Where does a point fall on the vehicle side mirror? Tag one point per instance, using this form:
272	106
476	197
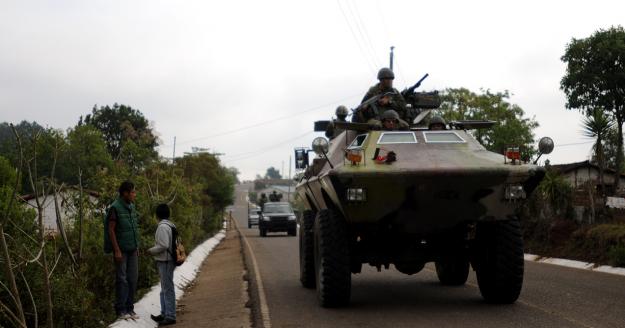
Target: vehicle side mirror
320	145
301	158
545	145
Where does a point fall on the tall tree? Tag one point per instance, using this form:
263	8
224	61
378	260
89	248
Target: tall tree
595	78
273	173
124	128
512	127
597	125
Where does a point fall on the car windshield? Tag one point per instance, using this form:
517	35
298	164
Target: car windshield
442	137
277	208
254	211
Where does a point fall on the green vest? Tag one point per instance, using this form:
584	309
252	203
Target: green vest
126	229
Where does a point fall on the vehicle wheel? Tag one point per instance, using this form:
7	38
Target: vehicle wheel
332	265
453	270
499	261
263	232
249	225
292	232
306	251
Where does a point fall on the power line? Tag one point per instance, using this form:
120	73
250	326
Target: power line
363	30
255	153
280	118
372	68
574	144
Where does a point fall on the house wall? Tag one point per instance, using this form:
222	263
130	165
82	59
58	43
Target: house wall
582	175
49	212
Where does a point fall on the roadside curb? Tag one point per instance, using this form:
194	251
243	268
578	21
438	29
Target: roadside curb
183	276
575	264
254	279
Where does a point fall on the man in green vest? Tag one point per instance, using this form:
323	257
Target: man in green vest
123	240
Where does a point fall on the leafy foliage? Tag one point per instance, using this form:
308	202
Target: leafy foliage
198	188
127	133
273	173
512	127
595	76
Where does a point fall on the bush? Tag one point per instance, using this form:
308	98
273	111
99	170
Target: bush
616	255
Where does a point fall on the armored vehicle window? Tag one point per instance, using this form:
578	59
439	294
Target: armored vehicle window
397	138
442	137
359	141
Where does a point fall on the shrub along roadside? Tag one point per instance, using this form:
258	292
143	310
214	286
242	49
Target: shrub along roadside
198	188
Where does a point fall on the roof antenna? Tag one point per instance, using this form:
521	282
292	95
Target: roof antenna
391	59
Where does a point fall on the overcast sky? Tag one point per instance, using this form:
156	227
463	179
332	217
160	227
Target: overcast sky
248	78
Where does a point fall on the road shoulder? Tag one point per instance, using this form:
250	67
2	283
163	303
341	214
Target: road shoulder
218	297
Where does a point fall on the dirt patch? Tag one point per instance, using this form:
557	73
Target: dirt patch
218	296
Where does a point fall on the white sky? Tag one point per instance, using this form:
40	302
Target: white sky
198	69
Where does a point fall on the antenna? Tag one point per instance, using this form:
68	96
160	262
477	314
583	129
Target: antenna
391	59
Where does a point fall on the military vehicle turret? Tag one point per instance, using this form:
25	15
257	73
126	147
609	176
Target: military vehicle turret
407	198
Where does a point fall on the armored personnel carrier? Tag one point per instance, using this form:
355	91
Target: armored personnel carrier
407	198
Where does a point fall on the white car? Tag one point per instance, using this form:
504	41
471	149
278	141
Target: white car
252	217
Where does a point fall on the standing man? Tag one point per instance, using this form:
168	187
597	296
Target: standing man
389	97
341	115
162	252
122	238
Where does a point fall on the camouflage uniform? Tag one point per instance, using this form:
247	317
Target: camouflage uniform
331	130
397	102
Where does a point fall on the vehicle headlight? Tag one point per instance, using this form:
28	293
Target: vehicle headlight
266	218
292	217
356	194
514	192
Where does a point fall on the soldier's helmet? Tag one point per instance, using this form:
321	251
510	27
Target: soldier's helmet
389	115
437	120
385	73
341	112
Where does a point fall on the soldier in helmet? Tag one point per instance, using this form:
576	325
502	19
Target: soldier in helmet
341	114
390	121
437	123
389	97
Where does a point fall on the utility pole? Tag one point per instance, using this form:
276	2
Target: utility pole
288	195
391	59
173	158
282	172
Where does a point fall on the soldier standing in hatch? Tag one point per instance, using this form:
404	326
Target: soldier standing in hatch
341	114
389	98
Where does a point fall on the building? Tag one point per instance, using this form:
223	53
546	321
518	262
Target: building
581	174
67	209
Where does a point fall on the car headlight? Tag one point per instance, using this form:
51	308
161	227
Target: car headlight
266	218
356	194
292	217
514	192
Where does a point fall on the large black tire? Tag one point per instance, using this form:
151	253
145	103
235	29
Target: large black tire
249	224
453	270
498	261
306	250
263	232
332	266
292	232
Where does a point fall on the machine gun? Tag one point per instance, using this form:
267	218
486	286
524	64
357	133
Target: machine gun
420	103
410	91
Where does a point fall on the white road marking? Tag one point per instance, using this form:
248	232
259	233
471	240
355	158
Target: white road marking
575	264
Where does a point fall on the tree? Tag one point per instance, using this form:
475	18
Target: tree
595	78
120	125
512	127
273	173
597	125
85	155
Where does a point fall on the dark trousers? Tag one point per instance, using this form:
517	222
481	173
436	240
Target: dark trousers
126	273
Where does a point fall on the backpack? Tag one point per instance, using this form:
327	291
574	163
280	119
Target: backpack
176	250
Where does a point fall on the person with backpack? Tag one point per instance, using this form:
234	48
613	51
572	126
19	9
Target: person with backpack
164	252
121	237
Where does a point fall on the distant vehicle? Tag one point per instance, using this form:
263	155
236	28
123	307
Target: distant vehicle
411	197
277	217
253	216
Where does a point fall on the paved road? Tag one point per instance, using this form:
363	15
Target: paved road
552	296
